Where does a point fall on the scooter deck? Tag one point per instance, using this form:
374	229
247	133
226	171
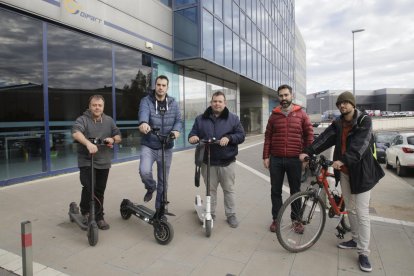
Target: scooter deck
78	219
141	211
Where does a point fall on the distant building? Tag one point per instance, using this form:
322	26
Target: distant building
390	99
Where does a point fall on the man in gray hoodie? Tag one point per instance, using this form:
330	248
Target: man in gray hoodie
95	124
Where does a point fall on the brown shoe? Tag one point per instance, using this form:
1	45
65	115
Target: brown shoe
298	227
103	225
273	226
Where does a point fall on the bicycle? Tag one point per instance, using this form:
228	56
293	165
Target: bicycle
302	217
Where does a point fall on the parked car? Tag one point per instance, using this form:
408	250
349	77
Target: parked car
400	154
383	140
387	113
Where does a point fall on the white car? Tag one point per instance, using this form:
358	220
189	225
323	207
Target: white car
400	154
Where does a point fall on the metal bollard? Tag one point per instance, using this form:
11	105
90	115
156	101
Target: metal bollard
27	254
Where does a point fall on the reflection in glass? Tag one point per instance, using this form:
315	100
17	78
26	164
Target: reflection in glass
228	48
22	133
236	18
227	14
179	3
236	53
74	73
243	68
218	8
195	97
230	89
186	33
208	35
218	42
132	81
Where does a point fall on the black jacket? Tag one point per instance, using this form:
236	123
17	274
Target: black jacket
207	126
364	170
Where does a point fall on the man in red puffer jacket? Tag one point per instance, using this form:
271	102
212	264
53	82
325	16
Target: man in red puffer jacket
288	132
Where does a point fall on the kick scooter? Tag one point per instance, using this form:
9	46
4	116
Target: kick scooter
204	212
75	216
163	230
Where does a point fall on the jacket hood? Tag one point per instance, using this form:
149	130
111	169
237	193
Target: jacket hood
278	109
209	112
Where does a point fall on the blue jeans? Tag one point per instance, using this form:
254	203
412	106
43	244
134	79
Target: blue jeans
147	159
292	166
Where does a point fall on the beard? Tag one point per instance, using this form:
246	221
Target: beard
285	103
345	112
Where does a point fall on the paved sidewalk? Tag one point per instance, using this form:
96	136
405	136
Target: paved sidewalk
129	247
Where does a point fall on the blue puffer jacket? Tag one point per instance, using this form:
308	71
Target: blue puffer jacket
171	120
207	126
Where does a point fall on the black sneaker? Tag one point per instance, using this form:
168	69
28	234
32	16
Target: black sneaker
351	244
148	195
364	263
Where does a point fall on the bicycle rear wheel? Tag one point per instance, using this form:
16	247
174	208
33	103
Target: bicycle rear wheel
306	208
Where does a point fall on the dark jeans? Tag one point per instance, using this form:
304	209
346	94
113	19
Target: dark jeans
101	177
278	167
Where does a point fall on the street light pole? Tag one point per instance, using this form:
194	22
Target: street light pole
353	58
320	106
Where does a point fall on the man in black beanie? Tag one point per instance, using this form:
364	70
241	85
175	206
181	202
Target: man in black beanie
351	134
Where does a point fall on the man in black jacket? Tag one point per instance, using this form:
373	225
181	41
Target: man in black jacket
219	123
351	134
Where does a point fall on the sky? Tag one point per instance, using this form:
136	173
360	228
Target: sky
384	52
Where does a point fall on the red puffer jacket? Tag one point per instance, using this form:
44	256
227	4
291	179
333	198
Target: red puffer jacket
286	136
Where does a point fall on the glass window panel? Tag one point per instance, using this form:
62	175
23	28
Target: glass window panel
243	4
179	3
236	53
249	61
218	42
249	30
230	90
208	4
227	12
213	85
218	8
249	8
236	18
74	73
22	132
242	25
195	97
208	35
254	63
228	48
254	36
243	67
132	82
186	33
254	11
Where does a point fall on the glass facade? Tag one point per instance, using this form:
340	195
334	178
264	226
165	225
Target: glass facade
48	73
263	44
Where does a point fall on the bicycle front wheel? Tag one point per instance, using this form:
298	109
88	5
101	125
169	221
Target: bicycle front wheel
306	209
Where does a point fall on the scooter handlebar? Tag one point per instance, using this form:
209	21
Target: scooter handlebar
209	141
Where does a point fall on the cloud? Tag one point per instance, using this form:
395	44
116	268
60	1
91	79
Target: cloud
384	52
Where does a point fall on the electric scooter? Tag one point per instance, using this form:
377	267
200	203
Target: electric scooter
75	216
163	230
204	212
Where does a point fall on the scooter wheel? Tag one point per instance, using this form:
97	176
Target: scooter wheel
208	228
93	233
163	232
125	212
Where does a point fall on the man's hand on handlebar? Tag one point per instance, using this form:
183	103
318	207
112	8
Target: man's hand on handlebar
304	157
175	134
194	139
144	128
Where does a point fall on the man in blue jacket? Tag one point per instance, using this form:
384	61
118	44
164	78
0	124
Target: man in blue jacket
157	110
219	123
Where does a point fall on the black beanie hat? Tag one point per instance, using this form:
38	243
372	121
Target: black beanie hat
345	96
